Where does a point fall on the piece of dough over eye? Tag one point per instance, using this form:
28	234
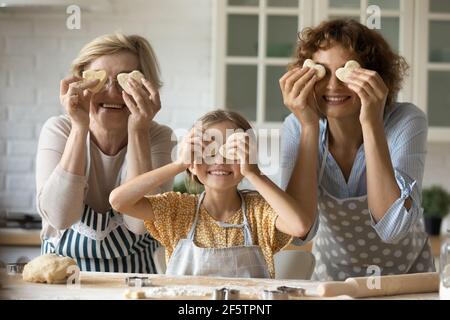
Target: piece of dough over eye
122	78
94	75
343	73
321	72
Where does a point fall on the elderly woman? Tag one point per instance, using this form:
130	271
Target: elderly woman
106	138
351	150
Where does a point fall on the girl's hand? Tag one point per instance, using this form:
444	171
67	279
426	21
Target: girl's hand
191	148
297	88
372	91
243	148
143	103
74	97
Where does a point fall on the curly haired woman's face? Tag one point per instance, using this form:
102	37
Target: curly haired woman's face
334	98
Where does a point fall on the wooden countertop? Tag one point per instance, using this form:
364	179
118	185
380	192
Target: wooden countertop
111	286
20	237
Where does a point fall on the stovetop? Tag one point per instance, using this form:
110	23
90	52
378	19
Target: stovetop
22	220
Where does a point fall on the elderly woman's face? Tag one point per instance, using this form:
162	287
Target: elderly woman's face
107	106
334	98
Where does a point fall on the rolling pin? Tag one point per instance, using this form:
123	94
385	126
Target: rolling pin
389	285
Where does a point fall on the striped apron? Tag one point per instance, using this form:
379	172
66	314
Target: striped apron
101	242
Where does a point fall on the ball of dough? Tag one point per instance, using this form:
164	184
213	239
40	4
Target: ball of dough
343	73
227	153
93	75
122	78
49	268
320	69
129	294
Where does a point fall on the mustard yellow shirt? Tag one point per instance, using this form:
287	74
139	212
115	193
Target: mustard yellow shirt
174	214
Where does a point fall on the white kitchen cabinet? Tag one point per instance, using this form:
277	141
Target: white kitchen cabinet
432	64
255	40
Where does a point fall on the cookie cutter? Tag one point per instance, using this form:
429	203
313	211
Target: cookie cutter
292	291
14	268
275	295
138	281
225	294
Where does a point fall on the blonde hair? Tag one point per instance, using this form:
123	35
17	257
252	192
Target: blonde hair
192	183
116	42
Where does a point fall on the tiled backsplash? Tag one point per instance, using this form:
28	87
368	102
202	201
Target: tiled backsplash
35	53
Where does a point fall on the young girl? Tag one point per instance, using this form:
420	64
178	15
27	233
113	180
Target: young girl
223	231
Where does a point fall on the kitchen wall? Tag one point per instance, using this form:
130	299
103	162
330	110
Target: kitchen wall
35	53
36	50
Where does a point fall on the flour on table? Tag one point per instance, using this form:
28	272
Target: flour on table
198	291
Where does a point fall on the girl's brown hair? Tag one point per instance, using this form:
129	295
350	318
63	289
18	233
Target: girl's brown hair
370	47
192	183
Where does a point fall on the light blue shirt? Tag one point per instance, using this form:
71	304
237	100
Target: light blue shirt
406	133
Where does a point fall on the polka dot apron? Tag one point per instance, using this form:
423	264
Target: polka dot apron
346	244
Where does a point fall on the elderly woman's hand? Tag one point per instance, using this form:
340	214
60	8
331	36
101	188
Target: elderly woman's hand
76	99
143	103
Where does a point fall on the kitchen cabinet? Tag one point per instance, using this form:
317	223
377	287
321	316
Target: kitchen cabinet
255	40
432	83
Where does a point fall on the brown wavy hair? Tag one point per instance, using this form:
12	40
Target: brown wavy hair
368	45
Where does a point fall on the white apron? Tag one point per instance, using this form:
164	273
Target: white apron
245	261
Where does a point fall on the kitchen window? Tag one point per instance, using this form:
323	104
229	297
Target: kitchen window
255	40
433	65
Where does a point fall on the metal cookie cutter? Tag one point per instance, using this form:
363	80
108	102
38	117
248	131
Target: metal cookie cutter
275	295
138	281
292	291
14	268
225	294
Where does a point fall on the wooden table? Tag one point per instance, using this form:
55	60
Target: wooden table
20	237
111	286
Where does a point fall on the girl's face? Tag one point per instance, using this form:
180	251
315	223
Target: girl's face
108	108
334	98
216	172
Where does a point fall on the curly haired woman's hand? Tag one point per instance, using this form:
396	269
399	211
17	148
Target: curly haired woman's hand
372	91
297	88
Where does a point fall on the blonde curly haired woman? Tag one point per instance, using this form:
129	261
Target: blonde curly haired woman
105	139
